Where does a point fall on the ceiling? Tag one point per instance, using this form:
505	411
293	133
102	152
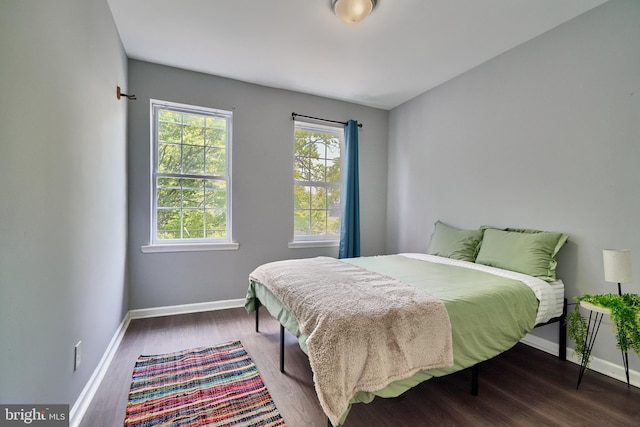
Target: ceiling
404	48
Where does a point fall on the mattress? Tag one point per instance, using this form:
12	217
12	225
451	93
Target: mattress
472	344
557	304
549	294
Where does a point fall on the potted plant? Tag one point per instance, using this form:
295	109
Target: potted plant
624	311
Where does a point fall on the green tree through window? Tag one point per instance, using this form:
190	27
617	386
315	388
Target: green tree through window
316	177
191	173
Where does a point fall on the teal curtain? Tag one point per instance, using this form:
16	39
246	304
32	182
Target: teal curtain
350	194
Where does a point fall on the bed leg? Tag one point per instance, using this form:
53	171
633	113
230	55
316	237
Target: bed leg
474	380
562	340
257	315
281	348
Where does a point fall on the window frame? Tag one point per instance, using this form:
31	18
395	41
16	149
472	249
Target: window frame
188	244
305	241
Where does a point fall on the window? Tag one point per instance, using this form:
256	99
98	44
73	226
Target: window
191	176
316	177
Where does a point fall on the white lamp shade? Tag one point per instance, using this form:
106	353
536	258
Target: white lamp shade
617	265
353	11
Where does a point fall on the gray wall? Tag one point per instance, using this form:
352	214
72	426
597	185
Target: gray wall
544	136
262	180
63	195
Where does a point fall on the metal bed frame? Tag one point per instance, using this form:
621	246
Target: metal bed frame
562	340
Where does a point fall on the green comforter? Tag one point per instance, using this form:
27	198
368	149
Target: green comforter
489	314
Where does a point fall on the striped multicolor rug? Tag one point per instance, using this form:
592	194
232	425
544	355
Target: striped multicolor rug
211	386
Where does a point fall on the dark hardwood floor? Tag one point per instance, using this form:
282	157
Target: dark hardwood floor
521	387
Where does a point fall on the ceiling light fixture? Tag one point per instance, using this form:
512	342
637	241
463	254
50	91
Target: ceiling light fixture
352	11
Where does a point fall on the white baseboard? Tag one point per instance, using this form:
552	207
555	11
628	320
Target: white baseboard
88	392
185	308
542	344
598	365
86	396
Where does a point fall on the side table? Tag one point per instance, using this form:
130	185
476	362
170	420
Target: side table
596	313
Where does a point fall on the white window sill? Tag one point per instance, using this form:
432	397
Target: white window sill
314	244
189	247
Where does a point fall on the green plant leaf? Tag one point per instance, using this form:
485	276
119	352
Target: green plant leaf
625	312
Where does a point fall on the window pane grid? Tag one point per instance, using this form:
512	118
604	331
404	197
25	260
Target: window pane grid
317	182
191	196
190	209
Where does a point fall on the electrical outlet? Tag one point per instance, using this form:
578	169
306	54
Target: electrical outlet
77	356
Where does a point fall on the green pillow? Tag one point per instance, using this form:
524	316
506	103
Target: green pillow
530	252
451	242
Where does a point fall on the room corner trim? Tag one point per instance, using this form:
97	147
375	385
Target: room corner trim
185	308
597	365
88	392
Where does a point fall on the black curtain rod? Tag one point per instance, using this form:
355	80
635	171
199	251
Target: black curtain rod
294	115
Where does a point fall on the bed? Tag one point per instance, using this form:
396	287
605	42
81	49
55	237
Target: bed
378	326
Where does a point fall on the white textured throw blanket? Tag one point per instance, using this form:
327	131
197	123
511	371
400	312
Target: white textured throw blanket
364	329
